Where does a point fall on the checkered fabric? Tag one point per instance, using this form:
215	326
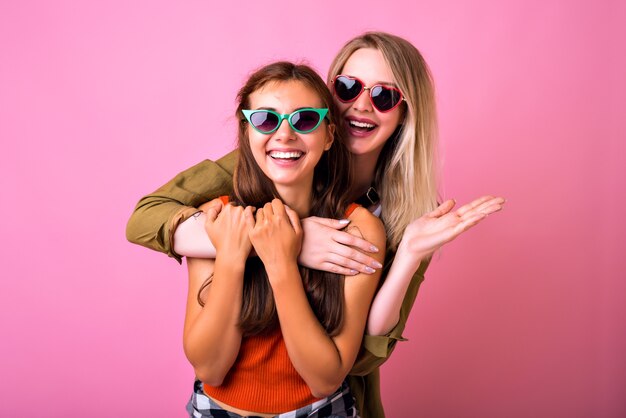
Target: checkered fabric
339	404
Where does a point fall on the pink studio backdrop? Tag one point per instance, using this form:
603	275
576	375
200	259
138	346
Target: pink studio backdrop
102	102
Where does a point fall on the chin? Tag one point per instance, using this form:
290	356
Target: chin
359	147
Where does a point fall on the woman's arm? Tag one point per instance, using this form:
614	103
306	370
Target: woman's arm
168	221
158	214
324	246
322	361
211	335
376	349
191	238
421	238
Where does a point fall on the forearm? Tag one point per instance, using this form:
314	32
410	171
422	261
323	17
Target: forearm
191	239
385	311
157	215
313	353
154	220
213	339
376	349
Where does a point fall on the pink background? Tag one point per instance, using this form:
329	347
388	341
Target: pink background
102	102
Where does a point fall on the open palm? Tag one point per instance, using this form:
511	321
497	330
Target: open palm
428	233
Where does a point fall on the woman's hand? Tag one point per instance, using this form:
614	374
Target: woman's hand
326	248
277	235
228	227
215	203
428	233
421	238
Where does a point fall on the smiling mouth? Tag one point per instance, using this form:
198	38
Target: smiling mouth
288	156
361	126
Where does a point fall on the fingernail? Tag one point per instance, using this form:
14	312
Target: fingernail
353	272
373	248
369	270
344	221
377	265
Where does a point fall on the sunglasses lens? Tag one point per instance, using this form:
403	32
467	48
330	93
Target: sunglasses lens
305	120
264	121
347	89
384	98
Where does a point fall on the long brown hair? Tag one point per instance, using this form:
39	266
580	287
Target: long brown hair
251	187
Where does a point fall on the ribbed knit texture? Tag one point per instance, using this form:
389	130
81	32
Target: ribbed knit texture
263	378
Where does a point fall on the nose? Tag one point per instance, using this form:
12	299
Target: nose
284	132
363	103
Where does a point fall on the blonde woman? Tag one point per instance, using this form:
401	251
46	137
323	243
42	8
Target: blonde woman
385	94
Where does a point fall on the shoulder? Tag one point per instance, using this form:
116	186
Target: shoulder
366	225
229	161
365	218
224	166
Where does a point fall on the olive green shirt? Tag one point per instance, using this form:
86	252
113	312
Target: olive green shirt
158	214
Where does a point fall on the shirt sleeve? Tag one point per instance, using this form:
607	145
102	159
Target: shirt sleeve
157	215
376	349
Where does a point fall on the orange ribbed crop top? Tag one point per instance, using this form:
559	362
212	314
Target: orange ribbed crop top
263	378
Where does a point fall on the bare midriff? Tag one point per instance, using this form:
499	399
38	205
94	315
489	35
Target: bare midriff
243	412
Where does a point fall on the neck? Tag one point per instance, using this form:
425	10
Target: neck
363	170
296	198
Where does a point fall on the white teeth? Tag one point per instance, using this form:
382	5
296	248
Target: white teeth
362	124
285	155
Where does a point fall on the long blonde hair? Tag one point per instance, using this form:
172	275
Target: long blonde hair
407	171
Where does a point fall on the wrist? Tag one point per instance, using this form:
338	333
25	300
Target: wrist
228	272
282	271
406	252
234	257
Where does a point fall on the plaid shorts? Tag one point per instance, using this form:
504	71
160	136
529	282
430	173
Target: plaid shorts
339	404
